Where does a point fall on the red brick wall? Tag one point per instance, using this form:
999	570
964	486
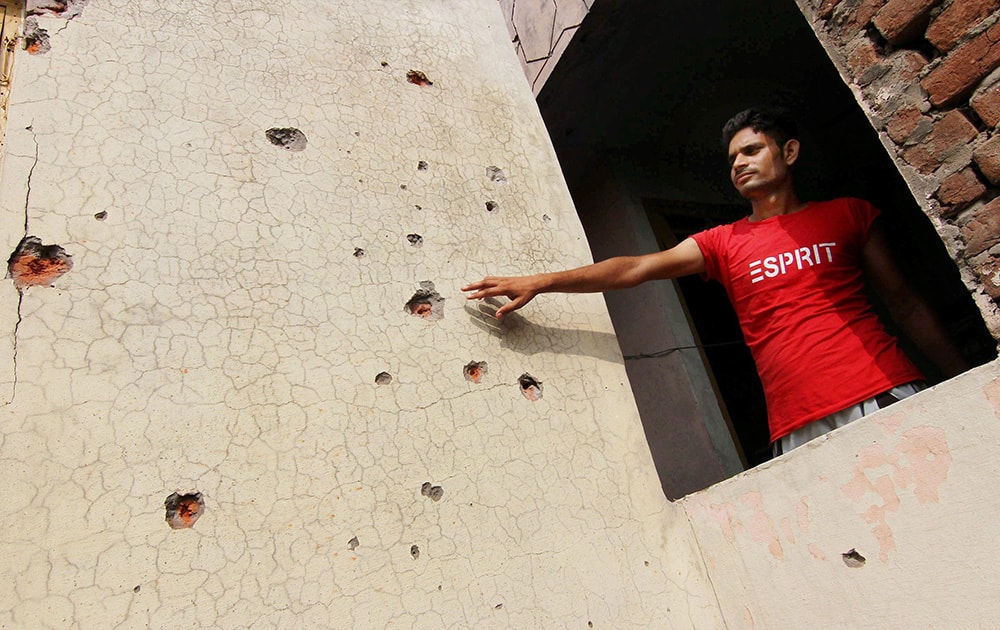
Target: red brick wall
926	73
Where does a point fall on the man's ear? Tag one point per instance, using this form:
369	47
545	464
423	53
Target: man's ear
791	151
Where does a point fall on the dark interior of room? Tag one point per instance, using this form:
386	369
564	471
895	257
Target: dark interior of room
646	85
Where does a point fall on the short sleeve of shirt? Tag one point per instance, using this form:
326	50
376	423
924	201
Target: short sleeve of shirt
712	243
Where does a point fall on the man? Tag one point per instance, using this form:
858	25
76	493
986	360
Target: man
795	274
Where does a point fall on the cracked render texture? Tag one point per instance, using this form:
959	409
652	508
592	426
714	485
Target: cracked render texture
218	334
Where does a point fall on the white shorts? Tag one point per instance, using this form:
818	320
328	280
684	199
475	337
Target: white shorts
828	423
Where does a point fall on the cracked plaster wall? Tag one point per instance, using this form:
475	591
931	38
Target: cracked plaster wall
231	303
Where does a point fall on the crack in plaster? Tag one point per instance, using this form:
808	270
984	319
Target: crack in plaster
20	291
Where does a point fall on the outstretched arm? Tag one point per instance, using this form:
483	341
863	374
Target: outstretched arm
614	273
907	308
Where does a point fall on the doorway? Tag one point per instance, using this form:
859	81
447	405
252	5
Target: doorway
640	97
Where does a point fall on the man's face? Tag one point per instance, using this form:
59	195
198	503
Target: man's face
757	165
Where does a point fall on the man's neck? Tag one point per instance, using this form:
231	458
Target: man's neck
775	203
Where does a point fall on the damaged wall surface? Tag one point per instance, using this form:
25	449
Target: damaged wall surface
886	523
241	386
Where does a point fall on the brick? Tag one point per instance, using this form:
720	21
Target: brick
826	8
987	157
982	231
960	189
989	274
853	16
957	20
947	137
901	21
864	63
903	125
908	64
963	68
986	102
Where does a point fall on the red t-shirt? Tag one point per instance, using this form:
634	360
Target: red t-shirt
796	283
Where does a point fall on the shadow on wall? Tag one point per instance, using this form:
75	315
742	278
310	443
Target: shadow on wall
519	334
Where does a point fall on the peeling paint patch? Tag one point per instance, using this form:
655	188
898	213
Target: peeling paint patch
33	264
416	77
991	391
36	38
761	527
786	530
802	515
926	451
890	423
183	510
920	461
288	138
816	552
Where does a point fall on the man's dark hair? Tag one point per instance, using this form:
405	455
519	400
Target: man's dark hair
775	123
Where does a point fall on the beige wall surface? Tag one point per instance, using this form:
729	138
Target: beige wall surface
911	490
220	332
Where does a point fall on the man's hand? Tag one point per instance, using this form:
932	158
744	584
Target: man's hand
518	289
621	272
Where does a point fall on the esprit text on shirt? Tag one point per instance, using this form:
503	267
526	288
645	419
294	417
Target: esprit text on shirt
796	259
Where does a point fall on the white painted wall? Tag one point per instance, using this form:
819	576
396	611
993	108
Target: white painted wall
912	489
217	334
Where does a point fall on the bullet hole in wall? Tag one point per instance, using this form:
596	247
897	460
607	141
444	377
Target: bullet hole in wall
358	252
422	166
530	387
402	186
33	264
415	239
102	215
353	543
546	218
498	606
36	38
426	303
383	378
432	492
183	510
495	174
385	64
288	138
138	587
492	206
853	559
590	624
416	77
67	9
415	551
475	370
